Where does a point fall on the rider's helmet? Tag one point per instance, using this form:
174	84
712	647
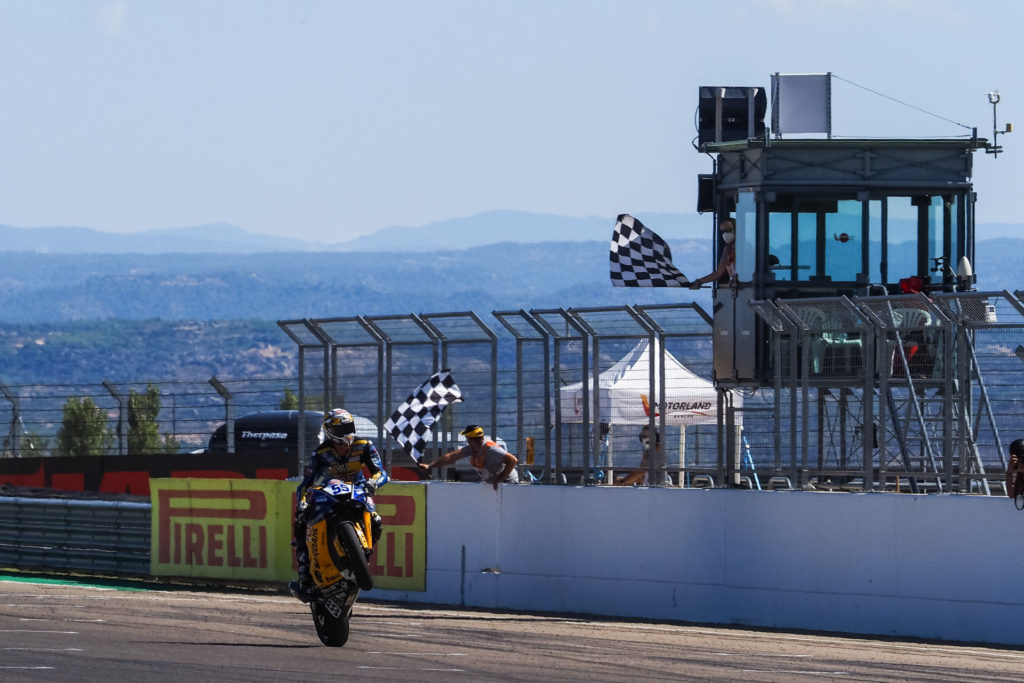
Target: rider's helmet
339	426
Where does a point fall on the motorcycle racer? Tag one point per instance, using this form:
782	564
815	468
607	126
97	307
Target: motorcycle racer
341	456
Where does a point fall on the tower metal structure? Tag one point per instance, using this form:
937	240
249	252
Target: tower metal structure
852	300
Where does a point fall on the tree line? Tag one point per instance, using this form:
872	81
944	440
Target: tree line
85	428
86	431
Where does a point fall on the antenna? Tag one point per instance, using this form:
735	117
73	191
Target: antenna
994	149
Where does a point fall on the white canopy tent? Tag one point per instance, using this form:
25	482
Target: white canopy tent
624	391
625	388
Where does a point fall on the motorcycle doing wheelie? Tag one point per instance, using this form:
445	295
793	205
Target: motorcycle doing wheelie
339	542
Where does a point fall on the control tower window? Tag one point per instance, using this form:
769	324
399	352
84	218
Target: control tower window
924	233
806	246
942	237
746	236
901	242
876	274
843	241
780	244
847	240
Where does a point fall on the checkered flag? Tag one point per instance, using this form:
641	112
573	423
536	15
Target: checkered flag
639	258
412	421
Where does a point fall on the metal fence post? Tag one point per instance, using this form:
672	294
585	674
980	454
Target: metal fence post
379	342
122	422
229	414
15	435
330	377
301	333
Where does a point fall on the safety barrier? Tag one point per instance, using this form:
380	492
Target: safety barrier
106	536
777	559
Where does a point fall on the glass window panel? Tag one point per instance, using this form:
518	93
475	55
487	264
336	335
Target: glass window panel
935	241
746	236
902	238
780	244
875	274
807	239
843	243
954	246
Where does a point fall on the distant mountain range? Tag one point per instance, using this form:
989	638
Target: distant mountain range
204	306
498	260
458	233
204	239
64	287
518	227
521	228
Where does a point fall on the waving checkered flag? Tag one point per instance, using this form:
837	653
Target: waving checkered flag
414	418
639	258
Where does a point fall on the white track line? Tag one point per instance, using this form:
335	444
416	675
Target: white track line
758	654
404	668
421	654
796	673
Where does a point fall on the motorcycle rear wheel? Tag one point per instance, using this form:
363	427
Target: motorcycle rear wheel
356	557
332	632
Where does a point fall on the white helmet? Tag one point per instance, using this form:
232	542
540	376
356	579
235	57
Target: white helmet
339	426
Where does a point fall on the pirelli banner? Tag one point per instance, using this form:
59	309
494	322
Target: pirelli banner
221	528
242	529
400	561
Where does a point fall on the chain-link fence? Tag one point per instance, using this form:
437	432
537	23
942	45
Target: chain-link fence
189	412
569	391
939	374
566	389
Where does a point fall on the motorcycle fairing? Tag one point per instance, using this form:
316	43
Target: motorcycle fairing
324	553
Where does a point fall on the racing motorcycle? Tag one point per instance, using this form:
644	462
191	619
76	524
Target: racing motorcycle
339	542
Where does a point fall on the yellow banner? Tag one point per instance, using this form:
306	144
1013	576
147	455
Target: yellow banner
222	528
242	529
400	560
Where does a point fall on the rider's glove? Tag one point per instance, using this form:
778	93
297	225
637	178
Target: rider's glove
370	488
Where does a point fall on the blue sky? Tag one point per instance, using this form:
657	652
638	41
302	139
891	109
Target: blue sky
327	120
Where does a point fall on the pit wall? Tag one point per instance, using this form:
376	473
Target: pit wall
943	567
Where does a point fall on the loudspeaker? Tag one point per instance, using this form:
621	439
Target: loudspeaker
726	113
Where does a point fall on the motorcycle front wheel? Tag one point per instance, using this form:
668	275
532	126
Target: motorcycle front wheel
356	557
332	631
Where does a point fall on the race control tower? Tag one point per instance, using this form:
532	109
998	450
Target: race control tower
818	216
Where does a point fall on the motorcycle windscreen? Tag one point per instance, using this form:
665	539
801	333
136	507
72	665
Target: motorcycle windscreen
324	554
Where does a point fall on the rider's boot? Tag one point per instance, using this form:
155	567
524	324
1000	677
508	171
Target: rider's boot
376	527
303	587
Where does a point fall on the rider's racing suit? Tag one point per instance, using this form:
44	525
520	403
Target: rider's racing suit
325	465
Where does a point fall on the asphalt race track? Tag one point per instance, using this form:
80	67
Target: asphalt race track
53	632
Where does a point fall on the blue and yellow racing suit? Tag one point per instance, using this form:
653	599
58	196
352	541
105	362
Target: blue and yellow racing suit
325	465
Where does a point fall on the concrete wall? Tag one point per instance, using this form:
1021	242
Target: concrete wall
938	566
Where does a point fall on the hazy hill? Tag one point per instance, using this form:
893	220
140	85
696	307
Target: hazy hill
140	350
520	227
74	318
50	288
458	233
214	238
58	287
